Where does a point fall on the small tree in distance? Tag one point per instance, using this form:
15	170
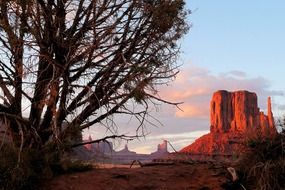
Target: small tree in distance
72	64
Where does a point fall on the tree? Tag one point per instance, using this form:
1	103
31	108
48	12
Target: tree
72	64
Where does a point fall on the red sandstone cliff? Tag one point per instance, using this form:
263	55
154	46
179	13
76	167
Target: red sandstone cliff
233	115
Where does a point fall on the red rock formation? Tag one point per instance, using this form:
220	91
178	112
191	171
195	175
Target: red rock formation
162	147
215	143
232	116
234	111
271	122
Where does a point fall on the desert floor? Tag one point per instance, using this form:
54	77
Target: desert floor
202	176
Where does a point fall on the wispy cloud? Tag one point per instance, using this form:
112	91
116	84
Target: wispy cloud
195	86
281	107
179	135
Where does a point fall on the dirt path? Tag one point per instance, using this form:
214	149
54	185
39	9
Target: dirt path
175	177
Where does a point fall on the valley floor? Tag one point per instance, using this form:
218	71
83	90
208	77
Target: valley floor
200	176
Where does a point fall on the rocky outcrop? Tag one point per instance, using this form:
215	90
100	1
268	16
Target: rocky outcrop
233	115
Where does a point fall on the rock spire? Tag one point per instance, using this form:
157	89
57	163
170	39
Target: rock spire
270	116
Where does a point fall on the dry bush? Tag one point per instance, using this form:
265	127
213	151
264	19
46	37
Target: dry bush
15	175
34	167
262	167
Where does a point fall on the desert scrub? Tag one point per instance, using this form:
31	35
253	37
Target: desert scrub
67	166
263	166
35	167
15	175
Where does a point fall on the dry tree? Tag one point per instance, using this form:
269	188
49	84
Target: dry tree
68	65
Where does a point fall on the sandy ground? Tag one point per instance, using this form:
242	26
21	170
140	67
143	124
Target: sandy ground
201	176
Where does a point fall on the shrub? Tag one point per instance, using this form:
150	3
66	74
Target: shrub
16	175
35	167
70	166
263	165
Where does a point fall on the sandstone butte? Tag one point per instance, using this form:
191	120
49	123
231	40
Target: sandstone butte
234	116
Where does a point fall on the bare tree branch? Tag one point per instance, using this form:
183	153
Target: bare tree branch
75	64
124	137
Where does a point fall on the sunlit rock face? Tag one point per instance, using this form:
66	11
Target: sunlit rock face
238	112
233	116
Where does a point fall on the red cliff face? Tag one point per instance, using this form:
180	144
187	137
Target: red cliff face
232	116
233	111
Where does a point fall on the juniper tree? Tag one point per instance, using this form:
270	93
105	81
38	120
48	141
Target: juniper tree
71	64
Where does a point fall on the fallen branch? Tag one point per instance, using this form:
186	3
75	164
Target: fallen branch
235	177
151	163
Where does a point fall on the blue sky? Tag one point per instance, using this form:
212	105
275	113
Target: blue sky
238	35
232	45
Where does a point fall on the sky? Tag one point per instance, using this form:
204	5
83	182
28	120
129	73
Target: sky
231	45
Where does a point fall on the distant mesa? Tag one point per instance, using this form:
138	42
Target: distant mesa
103	147
161	149
103	151
126	152
233	116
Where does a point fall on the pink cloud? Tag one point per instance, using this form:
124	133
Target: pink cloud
194	86
191	111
